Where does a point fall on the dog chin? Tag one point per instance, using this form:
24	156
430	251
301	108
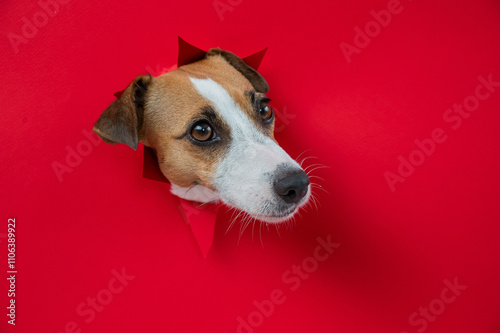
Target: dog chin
274	218
202	194
281	216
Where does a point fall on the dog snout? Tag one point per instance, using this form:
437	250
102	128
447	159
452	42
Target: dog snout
291	186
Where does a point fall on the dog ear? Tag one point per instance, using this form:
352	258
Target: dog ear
122	120
257	81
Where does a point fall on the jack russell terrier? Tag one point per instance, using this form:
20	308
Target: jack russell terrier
211	126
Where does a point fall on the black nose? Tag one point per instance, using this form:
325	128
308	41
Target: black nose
291	186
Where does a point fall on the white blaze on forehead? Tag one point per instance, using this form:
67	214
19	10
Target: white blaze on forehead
237	120
244	176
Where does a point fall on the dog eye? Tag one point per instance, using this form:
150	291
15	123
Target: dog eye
265	111
202	131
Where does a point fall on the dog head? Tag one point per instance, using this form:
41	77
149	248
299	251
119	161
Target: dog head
211	126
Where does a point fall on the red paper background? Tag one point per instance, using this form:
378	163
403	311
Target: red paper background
396	248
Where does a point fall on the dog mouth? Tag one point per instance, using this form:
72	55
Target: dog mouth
281	215
276	217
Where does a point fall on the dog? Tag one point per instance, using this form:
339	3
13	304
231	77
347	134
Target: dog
211	126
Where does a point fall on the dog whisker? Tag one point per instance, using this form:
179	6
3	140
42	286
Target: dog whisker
314	203
236	218
313	167
241	230
260	234
305	159
253	227
277	225
305	151
314	164
319	187
232	219
316	177
246	221
208	202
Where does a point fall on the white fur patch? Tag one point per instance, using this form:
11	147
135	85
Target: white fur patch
196	193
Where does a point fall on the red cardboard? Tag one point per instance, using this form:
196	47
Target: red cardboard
398	99
202	219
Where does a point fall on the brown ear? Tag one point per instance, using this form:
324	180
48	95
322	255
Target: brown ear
257	81
122	120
